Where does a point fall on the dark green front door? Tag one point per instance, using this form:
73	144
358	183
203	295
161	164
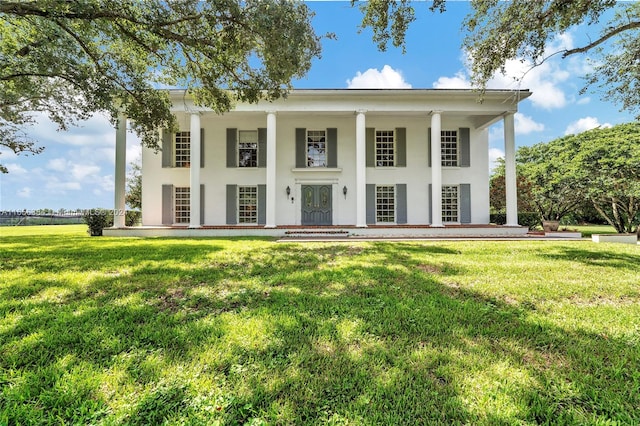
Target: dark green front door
316	204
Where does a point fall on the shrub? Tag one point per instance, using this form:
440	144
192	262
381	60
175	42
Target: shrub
132	217
97	220
528	219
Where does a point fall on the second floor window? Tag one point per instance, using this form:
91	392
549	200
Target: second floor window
183	149
316	148
385	148
248	148
449	139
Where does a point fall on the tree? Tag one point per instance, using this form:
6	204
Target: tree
69	59
499	31
498	194
607	162
133	197
553	192
601	166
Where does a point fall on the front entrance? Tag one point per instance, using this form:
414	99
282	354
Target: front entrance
316	205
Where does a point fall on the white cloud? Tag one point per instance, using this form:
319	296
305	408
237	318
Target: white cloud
584	124
525	124
15	169
388	78
544	80
82	171
57	186
494	154
58	164
584	100
24	192
96	131
459	81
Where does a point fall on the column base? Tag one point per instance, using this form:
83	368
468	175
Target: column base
270	226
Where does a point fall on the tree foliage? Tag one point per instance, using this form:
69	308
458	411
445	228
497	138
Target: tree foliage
498	31
133	197
68	59
601	166
498	193
553	192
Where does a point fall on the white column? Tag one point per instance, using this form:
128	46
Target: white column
361	171
436	170
510	170
121	172
194	181
271	171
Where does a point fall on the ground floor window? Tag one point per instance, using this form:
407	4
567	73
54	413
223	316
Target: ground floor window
183	204
385	204
247	204
450	203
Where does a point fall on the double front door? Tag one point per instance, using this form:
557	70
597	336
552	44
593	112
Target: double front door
316	205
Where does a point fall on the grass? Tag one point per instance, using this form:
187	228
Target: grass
588	230
215	331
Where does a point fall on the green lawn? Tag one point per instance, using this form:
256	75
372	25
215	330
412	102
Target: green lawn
215	331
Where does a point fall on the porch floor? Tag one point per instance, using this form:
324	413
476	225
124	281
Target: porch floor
296	232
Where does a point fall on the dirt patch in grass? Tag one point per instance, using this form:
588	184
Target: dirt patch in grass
430	269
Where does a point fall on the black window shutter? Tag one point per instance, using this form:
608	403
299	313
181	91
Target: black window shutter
262	147
370	147
167	148
332	147
401	147
262	204
201	148
167	204
371	204
231	204
232	152
301	148
202	204
401	203
430	201
465	147
465	203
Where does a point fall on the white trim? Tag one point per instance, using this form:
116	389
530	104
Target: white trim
317	169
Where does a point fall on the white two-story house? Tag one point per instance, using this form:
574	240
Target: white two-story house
361	162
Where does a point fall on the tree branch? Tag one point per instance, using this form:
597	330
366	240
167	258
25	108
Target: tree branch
607	36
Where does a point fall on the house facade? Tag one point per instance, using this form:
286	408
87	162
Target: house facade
405	161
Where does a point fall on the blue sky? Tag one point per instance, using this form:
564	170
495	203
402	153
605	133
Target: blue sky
76	168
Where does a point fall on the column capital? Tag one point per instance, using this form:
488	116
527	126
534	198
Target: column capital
361	111
271	111
435	111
